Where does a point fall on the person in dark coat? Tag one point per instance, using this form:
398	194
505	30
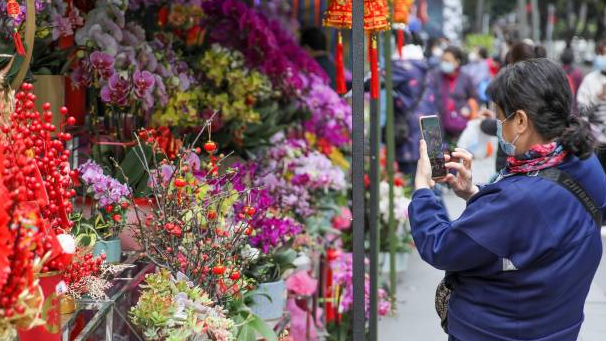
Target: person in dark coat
454	93
524	252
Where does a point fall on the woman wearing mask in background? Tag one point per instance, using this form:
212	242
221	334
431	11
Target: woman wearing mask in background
521	258
455	94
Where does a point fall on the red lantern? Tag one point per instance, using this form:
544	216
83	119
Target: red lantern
376	18
376	15
13	10
401	10
338	15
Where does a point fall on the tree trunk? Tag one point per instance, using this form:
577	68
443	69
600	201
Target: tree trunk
479	16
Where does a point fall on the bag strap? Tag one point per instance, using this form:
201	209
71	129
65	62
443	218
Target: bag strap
574	187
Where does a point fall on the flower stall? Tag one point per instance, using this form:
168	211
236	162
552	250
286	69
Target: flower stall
176	170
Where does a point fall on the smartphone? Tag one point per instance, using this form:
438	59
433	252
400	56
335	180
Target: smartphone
432	134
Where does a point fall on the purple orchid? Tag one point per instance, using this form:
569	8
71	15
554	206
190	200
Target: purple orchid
143	82
116	91
102	64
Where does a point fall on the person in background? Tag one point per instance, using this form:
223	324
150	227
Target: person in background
574	73
455	94
478	68
521	258
591	99
314	42
434	51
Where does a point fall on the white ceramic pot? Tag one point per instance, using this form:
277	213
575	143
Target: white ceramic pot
270	300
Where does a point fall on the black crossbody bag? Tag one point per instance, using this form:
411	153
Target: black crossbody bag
448	284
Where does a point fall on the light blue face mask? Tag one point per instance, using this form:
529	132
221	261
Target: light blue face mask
599	63
508	148
447	67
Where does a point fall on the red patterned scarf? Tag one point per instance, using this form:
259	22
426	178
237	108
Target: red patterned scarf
537	158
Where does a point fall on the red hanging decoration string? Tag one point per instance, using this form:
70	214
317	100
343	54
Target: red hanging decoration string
339	65
13	10
295	9
400	41
374	68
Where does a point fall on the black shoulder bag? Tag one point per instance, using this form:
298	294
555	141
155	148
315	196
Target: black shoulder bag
401	128
448	284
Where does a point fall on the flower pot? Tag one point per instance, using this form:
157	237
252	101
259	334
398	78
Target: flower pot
50	330
270	300
111	248
67	304
402	259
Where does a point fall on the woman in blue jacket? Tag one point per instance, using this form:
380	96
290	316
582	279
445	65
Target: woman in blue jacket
521	258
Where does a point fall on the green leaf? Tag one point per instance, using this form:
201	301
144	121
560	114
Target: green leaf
246	333
263	329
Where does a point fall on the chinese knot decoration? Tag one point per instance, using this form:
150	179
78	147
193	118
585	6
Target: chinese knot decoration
14	10
338	15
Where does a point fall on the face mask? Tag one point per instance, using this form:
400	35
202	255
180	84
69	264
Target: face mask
508	148
437	52
447	67
473	57
599	63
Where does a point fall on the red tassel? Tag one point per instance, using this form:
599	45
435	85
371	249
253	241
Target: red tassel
374	69
18	44
400	41
340	76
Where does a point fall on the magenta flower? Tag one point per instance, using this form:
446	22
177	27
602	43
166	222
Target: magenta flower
102	64
116	91
144	83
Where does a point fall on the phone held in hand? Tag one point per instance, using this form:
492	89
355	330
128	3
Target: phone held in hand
432	134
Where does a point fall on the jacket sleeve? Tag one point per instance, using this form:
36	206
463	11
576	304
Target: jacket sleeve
440	242
585	95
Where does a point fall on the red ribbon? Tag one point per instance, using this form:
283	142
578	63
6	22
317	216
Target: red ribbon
340	74
400	41
18	44
374	69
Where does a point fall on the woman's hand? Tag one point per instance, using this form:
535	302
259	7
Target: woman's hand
423	177
461	183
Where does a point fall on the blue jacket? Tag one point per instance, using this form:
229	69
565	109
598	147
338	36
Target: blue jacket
523	255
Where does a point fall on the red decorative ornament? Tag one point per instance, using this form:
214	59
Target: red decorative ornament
210	147
400	42
13	10
376	15
401	10
374	68
338	15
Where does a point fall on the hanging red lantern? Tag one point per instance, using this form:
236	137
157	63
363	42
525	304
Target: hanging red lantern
338	15
376	15
13	10
401	10
376	19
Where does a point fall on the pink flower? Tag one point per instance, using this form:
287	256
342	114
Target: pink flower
301	283
342	221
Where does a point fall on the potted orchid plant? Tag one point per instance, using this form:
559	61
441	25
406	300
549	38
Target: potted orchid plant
101	222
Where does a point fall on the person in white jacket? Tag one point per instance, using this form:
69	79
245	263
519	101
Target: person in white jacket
591	98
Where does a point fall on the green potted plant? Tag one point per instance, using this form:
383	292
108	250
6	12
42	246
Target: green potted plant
268	301
103	218
173	309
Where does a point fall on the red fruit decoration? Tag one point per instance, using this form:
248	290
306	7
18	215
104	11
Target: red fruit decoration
219	270
235	276
180	183
36	169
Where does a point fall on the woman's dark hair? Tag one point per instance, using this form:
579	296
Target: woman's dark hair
520	51
567	56
457	53
540	88
314	38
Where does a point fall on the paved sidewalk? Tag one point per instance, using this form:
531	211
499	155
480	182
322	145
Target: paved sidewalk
416	319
